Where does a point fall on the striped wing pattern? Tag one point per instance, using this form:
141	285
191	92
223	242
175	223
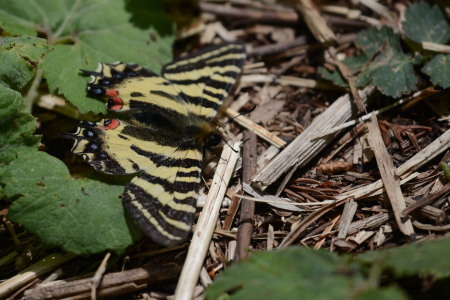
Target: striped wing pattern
159	135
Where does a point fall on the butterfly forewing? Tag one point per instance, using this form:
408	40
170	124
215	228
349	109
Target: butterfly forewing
161	135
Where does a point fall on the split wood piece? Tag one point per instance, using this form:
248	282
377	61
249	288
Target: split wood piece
305	82
245	229
258	130
232	210
347	217
206	224
266	156
406	171
391	182
427	200
315	22
256	15
341	10
31	273
325	233
272	49
371	222
436	47
111	285
430	212
344	140
377	7
300	228
303	148
423	94
438	146
376	188
288	80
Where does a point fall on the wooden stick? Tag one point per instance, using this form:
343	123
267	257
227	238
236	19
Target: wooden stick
347	217
303	149
252	126
295	232
315	22
438	146
256	15
436	47
245	228
390	181
374	221
272	49
98	276
111	285
423	94
206	224
427	200
45	265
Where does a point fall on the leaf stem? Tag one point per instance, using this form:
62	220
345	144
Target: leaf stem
32	91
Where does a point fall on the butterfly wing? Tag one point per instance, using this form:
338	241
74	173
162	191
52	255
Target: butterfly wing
205	78
162	200
153	140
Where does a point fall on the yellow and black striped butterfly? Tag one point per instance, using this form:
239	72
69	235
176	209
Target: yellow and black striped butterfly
164	122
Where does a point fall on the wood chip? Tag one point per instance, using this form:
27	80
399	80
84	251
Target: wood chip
390	180
303	149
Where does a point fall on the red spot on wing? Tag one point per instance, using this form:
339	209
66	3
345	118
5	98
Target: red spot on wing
114	102
113	125
112	93
117	103
110	124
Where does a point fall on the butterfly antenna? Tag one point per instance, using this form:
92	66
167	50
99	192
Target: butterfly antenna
243	113
226	142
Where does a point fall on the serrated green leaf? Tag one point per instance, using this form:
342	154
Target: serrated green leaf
373	41
438	69
425	23
291	273
17	126
81	216
85	33
392	75
334	76
19	55
429	258
390	70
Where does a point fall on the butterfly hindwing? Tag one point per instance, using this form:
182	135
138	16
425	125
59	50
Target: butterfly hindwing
159	133
162	200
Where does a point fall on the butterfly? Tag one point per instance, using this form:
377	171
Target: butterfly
159	133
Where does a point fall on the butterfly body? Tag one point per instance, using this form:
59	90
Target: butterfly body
163	124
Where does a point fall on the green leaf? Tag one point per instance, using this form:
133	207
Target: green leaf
425	23
429	258
17	126
334	76
14	18
84	33
19	55
438	69
390	70
287	274
393	76
373	41
80	216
